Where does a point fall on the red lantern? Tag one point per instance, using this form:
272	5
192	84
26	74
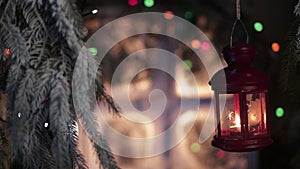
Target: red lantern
243	121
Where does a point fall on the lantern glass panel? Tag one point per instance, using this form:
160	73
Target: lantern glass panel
230	118
256	109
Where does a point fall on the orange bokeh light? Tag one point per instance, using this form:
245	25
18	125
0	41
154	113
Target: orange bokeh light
275	47
195	44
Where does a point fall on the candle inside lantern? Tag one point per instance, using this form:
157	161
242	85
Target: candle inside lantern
234	117
231	121
236	123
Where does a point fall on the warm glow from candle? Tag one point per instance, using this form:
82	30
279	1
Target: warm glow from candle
237	122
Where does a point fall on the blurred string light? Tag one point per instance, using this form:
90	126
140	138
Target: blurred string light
205	46
258	26
19	114
275	47
149	3
94	51
195	44
46	124
7	52
195	147
169	15
92	12
188	63
133	2
95	11
279	112
188	15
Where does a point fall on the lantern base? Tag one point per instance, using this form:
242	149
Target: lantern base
242	145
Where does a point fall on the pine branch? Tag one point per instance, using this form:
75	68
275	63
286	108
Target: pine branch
40	137
60	51
84	107
45	37
7	7
297	9
17	44
19	124
36	32
68	23
102	95
289	76
94	73
59	117
19	58
65	67
77	157
103	151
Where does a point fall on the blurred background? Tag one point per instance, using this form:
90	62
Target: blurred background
267	23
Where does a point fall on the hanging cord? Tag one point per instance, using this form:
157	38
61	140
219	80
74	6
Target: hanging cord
238	9
238	19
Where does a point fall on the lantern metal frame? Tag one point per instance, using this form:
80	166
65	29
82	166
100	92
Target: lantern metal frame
241	80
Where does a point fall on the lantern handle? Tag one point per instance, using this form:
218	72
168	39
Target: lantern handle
238	19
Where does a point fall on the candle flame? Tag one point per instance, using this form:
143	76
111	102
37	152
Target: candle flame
236	122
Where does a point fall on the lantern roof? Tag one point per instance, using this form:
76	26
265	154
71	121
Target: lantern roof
239	75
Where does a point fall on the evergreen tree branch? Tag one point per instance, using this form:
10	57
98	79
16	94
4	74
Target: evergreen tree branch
59	117
45	37
297	9
289	76
85	107
40	136
68	23
18	124
5	9
102	95
77	157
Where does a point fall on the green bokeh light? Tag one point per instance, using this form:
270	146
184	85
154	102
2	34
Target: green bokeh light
188	15
149	3
195	147
258	26
188	64
279	112
94	51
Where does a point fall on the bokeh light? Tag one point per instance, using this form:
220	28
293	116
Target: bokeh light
94	51
95	11
46	124
275	47
188	63
202	21
169	15
258	26
205	46
195	147
133	2
195	44
7	51
220	154
279	112
188	15
149	3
